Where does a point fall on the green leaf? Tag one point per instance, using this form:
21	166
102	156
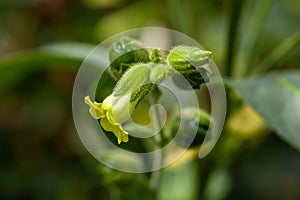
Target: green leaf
276	97
181	16
277	54
14	67
218	184
250	30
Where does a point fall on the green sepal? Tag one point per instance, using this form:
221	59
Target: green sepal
158	73
124	53
141	93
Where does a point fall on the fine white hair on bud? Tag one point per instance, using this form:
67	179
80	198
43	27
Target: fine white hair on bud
191	63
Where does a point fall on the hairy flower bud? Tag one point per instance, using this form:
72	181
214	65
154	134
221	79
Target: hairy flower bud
155	55
191	63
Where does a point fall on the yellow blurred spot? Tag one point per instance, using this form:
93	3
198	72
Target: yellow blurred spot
245	122
102	3
187	156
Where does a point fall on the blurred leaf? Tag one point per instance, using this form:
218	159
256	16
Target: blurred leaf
121	161
180	16
279	52
125	185
130	17
68	50
112	176
14	67
276	97
103	3
218	185
179	183
251	28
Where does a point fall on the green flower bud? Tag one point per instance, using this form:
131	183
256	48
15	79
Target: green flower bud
124	53
155	55
191	119
158	73
192	63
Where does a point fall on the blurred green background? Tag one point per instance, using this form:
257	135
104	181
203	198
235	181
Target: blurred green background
41	155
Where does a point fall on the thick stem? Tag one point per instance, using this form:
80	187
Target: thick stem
158	138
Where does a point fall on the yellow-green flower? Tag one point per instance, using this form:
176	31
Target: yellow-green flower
117	107
110	117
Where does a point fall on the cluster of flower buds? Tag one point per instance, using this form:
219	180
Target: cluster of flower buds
138	72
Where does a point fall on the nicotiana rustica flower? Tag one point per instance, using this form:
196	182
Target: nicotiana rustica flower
139	72
104	112
116	109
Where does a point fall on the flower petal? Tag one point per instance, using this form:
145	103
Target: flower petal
108	102
110	118
96	109
117	129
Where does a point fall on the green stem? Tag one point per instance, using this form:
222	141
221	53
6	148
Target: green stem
157	125
158	157
155	176
234	12
254	26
